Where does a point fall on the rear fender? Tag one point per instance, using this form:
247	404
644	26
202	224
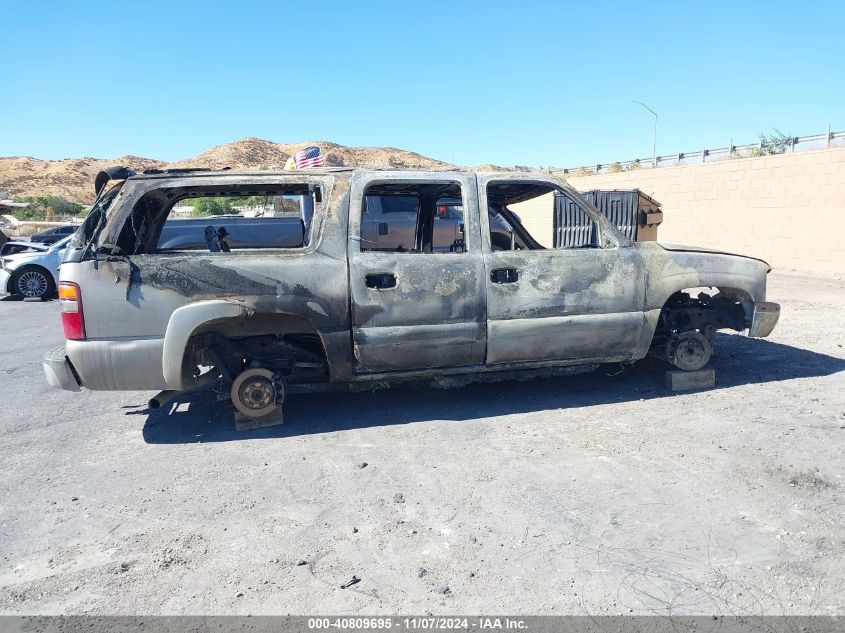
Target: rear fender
183	322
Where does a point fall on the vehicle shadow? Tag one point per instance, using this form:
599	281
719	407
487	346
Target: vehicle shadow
21	298
739	360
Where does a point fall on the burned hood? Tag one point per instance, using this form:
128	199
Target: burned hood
681	248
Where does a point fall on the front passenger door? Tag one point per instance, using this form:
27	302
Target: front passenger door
582	302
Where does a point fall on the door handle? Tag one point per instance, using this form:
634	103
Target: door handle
380	281
504	275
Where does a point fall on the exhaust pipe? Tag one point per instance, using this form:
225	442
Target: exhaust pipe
163	397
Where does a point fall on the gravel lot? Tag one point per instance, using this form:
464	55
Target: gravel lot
601	494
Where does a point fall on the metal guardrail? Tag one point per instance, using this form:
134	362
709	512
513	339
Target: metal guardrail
815	141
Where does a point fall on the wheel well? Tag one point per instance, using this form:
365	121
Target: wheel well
258	323
30	267
703	308
285	343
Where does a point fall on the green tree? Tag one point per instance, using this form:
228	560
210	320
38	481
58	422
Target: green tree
223	205
209	206
775	143
42	206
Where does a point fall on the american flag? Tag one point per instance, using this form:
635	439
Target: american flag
308	158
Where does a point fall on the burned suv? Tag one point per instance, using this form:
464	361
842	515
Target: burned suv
300	281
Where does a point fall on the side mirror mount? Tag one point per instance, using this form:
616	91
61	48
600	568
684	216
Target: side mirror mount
113	173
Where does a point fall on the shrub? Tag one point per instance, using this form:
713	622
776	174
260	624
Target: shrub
775	143
47	208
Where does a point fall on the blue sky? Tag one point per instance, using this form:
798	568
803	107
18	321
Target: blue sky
519	82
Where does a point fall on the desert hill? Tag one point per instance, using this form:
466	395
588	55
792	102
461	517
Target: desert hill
73	178
258	153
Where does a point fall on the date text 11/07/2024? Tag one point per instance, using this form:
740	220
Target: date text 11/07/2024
417	623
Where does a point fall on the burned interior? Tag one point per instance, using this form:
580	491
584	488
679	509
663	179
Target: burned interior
574	228
410	217
429	218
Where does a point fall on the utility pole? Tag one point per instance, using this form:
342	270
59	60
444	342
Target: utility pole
654	137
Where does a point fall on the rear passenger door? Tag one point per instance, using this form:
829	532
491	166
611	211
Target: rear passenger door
418	292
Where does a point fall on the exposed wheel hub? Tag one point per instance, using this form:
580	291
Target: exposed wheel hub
255	392
691	351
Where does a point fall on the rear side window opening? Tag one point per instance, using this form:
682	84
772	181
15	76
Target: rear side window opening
221	219
412	218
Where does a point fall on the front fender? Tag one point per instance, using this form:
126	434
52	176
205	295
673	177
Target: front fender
671	271
182	324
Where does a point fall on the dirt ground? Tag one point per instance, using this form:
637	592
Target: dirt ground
599	494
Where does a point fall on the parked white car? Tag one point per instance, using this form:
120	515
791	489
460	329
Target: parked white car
31	269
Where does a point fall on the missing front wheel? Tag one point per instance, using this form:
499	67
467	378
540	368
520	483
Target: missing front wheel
689	351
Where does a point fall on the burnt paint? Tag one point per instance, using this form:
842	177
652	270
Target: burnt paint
312	283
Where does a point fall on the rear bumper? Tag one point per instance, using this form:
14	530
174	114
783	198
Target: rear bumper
764	319
118	365
58	370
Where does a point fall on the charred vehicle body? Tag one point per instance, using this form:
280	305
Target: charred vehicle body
342	299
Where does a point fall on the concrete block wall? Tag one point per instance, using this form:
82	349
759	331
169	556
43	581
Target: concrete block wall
788	209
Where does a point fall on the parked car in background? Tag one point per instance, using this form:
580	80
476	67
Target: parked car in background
30	269
239	232
14	247
54	234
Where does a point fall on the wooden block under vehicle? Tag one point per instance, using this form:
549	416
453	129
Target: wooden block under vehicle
690	380
245	423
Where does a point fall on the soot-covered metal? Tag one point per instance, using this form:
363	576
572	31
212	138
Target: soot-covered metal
334	310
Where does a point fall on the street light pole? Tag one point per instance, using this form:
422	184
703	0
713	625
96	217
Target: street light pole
654	137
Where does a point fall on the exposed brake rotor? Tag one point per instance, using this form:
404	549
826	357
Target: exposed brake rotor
254	392
690	351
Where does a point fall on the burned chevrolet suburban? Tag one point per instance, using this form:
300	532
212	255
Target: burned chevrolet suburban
363	277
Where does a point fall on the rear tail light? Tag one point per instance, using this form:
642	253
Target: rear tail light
70	301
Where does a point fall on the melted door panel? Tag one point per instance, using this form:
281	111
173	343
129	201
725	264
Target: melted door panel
559	304
565	304
416	310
